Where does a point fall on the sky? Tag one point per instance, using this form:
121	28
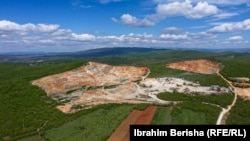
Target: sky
77	25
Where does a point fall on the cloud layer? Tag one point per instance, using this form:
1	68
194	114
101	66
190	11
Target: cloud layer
9	26
50	37
221	2
229	27
165	10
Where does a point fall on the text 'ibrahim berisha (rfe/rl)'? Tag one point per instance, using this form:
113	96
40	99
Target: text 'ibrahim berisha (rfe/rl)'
196	132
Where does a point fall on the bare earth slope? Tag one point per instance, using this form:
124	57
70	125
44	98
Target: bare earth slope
98	83
94	74
145	117
198	66
209	67
83	87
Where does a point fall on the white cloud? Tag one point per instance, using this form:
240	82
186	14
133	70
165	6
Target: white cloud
164	10
127	38
230	27
200	10
203	9
187	37
4	36
14	27
67	40
79	3
224	15
108	1
82	37
173	36
236	38
228	2
202	37
173	30
46	41
44	28
61	32
128	19
220	2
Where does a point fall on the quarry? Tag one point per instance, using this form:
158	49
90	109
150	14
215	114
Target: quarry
203	66
97	83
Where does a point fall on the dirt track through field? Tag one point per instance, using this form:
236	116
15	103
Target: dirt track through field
121	133
224	112
210	67
243	92
147	116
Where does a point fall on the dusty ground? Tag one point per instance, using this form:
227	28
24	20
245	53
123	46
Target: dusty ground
210	67
243	92
146	116
198	66
93	75
123	129
121	133
240	87
132	92
97	83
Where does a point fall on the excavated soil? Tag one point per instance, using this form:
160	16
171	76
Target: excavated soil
98	83
94	74
198	66
145	117
122	130
240	87
243	92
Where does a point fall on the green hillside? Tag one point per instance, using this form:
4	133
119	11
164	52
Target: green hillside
26	110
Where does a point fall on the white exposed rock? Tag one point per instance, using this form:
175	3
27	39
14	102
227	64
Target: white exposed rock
84	87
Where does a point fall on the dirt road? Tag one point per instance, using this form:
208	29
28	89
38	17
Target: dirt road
225	111
145	117
209	67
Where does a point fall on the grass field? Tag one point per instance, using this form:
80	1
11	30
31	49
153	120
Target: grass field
187	116
95	126
193	110
186	113
33	138
163	115
211	112
239	114
222	100
160	70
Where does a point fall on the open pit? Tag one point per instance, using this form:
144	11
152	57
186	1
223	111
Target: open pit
198	66
240	85
92	75
98	83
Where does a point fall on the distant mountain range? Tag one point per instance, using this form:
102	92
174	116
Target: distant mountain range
92	53
97	53
243	50
124	51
